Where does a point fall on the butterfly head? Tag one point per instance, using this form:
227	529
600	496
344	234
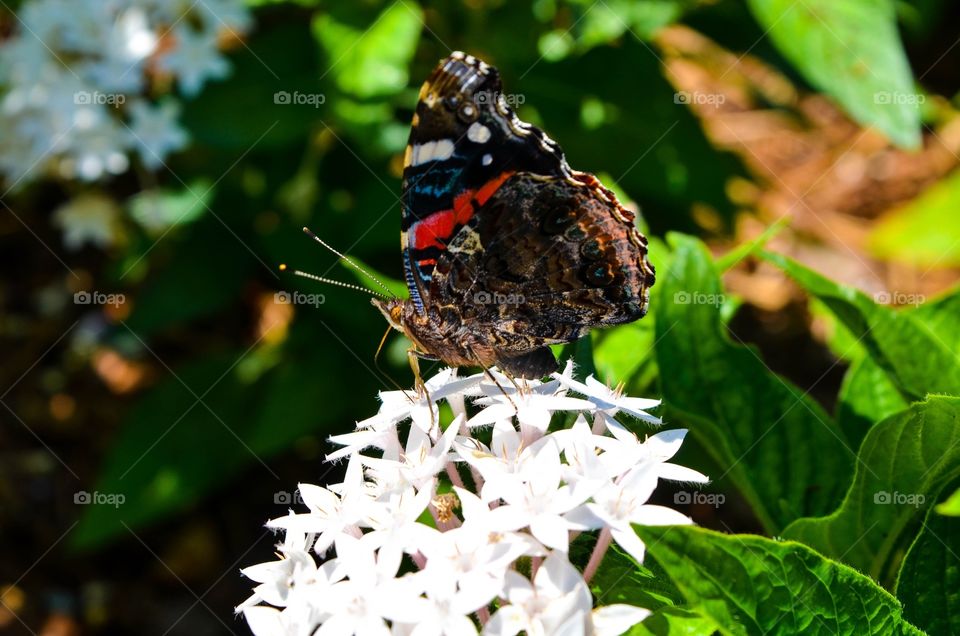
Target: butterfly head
392	309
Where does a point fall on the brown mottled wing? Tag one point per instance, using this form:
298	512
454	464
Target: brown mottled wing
543	261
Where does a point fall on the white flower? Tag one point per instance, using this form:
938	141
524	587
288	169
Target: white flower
395	524
156	132
611	402
194	59
556	600
537	497
419	462
89	218
625	450
522	491
533	405
369	595
76	67
622	503
331	515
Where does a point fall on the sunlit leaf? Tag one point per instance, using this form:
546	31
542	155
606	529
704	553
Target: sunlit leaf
778	446
753	585
851	50
902	464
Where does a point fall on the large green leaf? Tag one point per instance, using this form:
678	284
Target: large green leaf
867	396
930	222
371	61
621	580
929	581
753	585
903	462
780	448
918	360
851	50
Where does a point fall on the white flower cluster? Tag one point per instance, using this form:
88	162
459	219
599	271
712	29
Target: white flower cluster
442	533
76	74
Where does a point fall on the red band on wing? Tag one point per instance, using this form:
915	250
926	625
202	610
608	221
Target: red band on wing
437	228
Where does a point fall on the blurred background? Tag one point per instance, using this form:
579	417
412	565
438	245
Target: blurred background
164	387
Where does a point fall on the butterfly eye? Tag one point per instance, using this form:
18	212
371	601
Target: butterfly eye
468	112
451	102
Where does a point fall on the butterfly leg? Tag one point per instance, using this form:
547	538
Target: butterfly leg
489	374
413	357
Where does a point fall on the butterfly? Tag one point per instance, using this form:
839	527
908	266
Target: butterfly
506	248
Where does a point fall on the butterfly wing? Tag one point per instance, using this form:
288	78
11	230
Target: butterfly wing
465	142
544	260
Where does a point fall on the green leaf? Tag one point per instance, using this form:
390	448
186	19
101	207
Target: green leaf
851	50
620	352
160	209
192	284
929	581
930	222
674	621
867	396
753	585
780	448
915	357
597	23
951	506
903	462
396	287
371	62
942	317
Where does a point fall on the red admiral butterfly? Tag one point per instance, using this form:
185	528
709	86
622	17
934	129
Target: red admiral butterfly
506	248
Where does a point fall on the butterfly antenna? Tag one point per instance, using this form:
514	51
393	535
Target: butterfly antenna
347	260
321	279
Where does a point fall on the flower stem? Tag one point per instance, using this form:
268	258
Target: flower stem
603	542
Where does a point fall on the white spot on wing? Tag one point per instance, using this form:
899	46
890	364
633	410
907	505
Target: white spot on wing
438	150
487	159
478	133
